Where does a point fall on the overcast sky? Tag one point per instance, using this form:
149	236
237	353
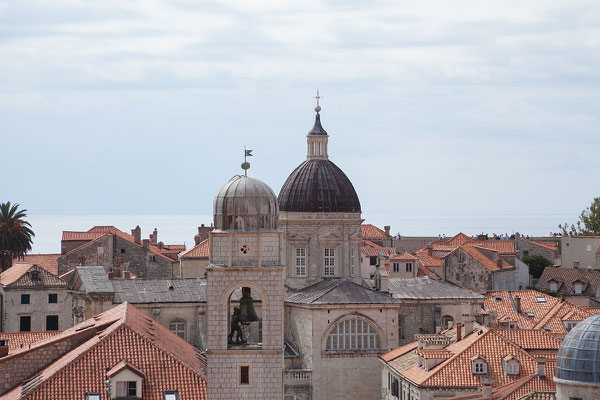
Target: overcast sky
433	108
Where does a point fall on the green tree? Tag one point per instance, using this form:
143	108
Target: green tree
536	265
15	234
588	224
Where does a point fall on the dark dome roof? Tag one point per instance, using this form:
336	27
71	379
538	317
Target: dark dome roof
318	186
578	357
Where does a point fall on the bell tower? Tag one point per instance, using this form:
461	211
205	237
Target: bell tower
245	293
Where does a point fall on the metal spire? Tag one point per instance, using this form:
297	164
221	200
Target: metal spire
318	107
246	164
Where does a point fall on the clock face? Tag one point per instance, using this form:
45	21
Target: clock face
245	249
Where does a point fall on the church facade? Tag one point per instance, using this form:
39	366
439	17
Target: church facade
317	331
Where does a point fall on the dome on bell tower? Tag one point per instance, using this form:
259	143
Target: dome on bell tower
246	204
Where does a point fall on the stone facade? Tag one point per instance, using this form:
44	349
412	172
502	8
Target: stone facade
118	255
38	308
526	248
245	249
339	374
567	390
579	251
316	232
265	362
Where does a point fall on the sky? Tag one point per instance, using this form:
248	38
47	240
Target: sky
436	108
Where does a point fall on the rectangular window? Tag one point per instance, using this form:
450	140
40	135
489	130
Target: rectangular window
461	257
92	396
244	375
52	298
152	258
372	260
589	247
301	262
51	322
409	266
25	299
25	323
329	262
132	388
396	267
525	253
171	395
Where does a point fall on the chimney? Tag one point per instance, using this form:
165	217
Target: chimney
154	236
146	243
387	230
541	367
3	347
381	274
468	325
126	275
486	386
518	304
458	331
430	249
137	234
562	298
498	261
202	233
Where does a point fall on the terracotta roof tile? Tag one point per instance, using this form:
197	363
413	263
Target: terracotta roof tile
372	232
21	340
459	240
393	354
476	253
403	256
371	249
568	277
47	261
201	250
20	275
166	360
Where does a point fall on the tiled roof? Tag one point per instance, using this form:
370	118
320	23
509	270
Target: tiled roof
338	291
547	245
198	251
371	249
400	351
439	354
425	288
68	236
458	240
167	361
457	370
501	246
429	261
424	271
21	340
531	339
160	290
476	253
47	261
403	256
568	276
19	276
93	279
372	232
550	313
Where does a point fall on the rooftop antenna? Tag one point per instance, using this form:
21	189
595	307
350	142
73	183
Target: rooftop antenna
246	164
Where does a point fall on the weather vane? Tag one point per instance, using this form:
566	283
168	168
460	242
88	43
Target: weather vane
318	107
246	164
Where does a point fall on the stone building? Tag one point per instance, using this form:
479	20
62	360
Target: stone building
580	251
117	252
525	247
580	286
483	268
33	299
246	254
193	262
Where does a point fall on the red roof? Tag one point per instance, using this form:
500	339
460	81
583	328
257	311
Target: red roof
476	253
403	256
166	361
371	249
19	275
47	261
201	250
21	340
372	232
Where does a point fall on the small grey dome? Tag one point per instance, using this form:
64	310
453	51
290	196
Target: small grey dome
578	357
246	204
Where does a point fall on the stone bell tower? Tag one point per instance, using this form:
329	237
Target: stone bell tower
245	294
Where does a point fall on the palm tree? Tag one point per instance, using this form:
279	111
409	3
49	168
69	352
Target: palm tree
15	234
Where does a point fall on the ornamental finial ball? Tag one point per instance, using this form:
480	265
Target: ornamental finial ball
318	108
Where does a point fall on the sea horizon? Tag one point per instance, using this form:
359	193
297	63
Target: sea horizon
181	228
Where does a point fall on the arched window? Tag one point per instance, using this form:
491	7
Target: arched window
353	334
178	328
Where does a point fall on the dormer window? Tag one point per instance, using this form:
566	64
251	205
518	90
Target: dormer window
510	366
171	395
479	365
553	286
569	325
578	288
126	380
35	276
92	396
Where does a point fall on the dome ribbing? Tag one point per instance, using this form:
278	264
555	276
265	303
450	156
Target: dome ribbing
578	357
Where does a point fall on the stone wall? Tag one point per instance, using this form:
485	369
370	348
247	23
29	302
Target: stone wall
192	314
245	249
468	274
191	268
96	252
38	308
414	319
528	248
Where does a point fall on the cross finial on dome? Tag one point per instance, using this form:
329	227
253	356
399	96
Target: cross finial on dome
246	164
318	107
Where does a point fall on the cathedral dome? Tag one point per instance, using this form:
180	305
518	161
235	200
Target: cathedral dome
246	204
578	358
318	185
